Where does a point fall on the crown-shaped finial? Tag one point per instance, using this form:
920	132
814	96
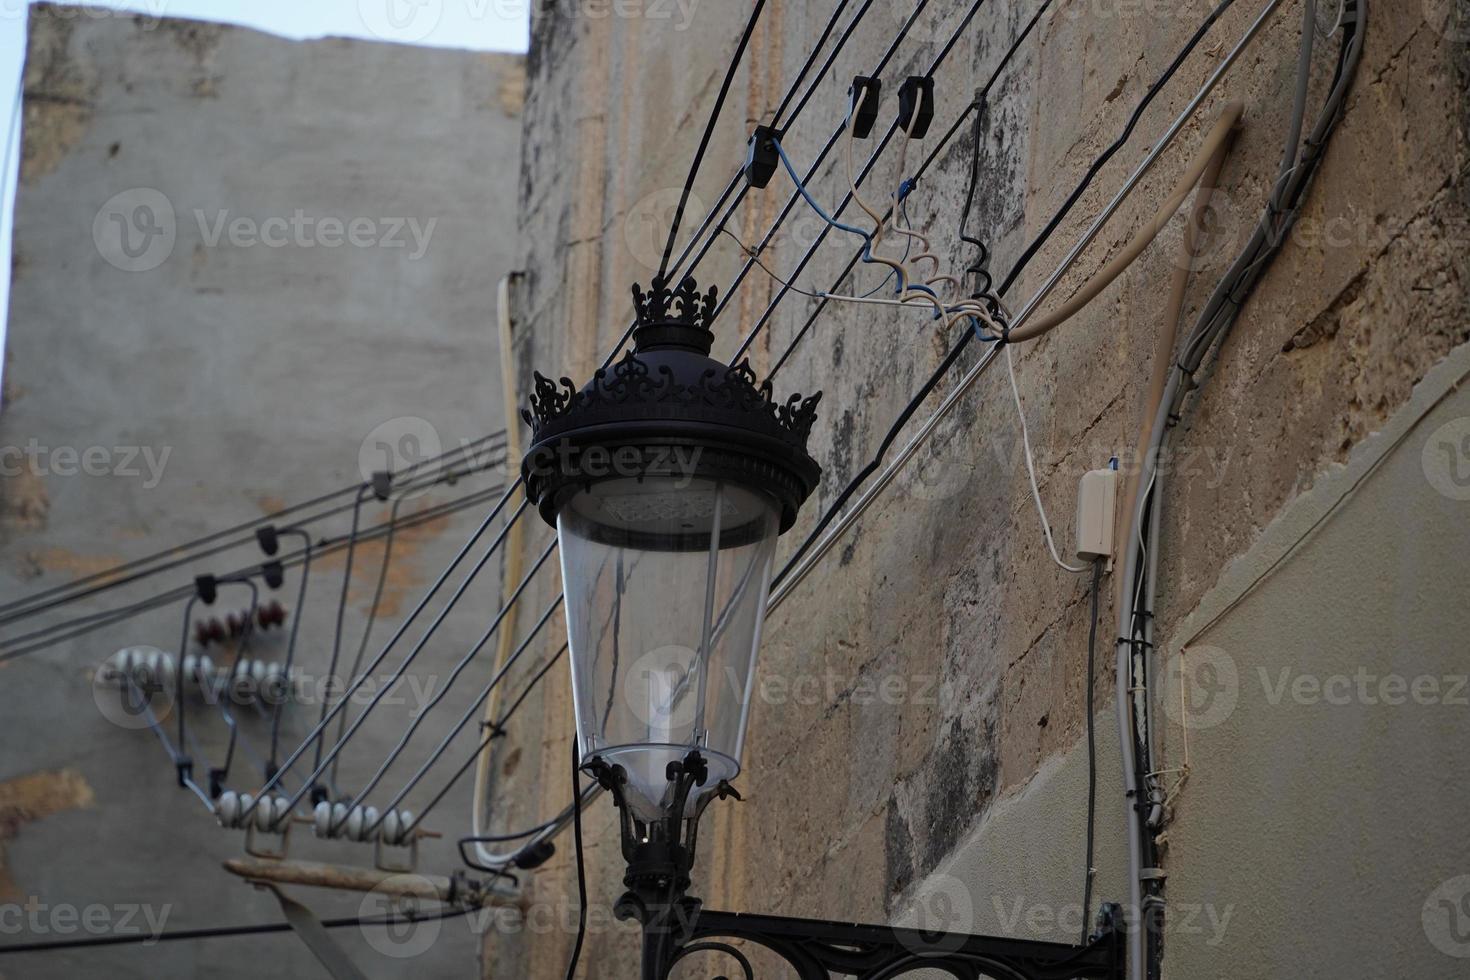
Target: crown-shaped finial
674	317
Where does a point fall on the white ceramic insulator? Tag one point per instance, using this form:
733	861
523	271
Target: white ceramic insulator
395	827
227	808
149	668
334	821
270	816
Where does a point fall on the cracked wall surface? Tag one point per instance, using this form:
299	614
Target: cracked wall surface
945	584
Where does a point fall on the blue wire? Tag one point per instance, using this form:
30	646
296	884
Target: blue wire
785	160
907	247
904	188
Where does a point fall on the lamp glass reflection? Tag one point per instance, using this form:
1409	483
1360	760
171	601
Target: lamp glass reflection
666	580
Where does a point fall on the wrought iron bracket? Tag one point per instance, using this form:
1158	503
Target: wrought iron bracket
818	950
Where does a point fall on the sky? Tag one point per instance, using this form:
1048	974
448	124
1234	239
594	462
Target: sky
485	25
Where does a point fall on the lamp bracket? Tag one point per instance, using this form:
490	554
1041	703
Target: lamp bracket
818	950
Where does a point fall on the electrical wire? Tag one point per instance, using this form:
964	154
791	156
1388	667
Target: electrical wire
811	59
749	263
1031	468
219	932
408	659
372	618
48	636
1088	869
709	128
581	862
341	611
574	744
297	616
1135	620
890	52
811	250
830	513
942	54
183	554
464	662
608	360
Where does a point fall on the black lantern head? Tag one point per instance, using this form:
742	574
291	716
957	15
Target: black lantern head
668	479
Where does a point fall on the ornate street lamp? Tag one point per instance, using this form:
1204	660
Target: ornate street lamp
668	479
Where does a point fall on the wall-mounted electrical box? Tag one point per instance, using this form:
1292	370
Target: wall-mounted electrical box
1097	498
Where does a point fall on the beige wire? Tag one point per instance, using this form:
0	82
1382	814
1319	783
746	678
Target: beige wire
514	557
1169	334
1216	143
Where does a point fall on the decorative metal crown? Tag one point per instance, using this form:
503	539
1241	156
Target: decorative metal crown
630	383
653	307
668	374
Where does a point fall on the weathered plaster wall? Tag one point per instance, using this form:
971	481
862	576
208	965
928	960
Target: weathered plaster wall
260	370
945	584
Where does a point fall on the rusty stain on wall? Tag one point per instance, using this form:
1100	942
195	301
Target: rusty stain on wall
32	797
24	502
58	95
405	573
269	503
71	563
511	94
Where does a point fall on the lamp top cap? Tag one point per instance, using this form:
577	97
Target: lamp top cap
672	319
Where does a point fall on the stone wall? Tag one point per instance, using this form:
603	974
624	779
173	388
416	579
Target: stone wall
945	587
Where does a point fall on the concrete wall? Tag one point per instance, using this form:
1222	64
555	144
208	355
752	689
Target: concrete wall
852	803
262	369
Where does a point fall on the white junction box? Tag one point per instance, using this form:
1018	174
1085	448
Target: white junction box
1097	498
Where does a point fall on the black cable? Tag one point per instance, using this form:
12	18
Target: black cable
674	227
297	615
581	863
965	337
709	129
796	195
449	477
112	578
811	60
217	932
739	187
872	160
1087	869
750	25
341	616
1107	154
372	618
71	629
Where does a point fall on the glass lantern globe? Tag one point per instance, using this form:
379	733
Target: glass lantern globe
668	479
666	589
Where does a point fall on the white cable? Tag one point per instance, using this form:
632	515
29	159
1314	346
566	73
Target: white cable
1031	468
